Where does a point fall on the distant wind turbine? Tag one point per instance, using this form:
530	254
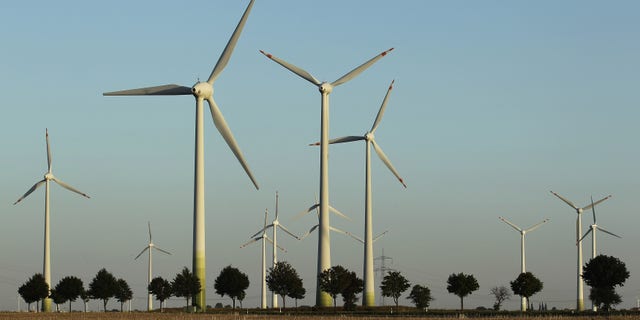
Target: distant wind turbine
580	286
46	304
523	268
150	248
324	243
202	91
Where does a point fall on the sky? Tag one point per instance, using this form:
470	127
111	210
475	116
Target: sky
494	105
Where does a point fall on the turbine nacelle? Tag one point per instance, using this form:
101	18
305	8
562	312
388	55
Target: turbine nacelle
49	176
202	90
325	88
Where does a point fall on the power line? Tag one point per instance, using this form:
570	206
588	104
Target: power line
383	269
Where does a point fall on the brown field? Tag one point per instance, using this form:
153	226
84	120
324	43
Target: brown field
186	316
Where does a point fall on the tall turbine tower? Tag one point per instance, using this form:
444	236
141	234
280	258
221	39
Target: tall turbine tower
523	268
580	282
202	91
150	247
324	243
369	299
46	266
592	230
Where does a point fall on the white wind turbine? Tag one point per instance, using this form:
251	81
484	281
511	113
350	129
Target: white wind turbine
46	304
592	230
324	244
263	236
523	268
202	91
580	286
275	225
368	299
150	247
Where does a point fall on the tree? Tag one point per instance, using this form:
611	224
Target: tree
85	296
69	288
602	274
421	296
103	287
462	285
186	284
283	280
57	298
124	293
501	294
526	285
355	285
333	282
393	285
298	292
34	290
160	288
231	282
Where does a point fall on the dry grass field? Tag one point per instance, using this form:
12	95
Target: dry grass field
186	316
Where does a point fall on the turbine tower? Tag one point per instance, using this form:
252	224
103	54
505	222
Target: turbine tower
592	230
202	91
150	247
46	303
262	236
523	268
369	299
580	282
324	243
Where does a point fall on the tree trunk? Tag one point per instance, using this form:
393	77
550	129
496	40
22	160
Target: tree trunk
104	301
284	305
121	306
234	303
461	303
69	306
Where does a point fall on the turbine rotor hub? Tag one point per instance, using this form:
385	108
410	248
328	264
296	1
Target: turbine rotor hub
48	176
202	90
369	136
325	88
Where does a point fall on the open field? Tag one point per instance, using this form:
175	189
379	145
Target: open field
186	316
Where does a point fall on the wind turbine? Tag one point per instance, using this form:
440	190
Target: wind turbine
368	299
592	230
150	247
324	243
202	91
263	236
46	304
275	225
580	286
523	232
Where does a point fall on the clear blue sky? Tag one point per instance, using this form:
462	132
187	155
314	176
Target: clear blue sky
495	104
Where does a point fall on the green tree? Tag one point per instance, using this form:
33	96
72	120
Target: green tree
333	282
103	287
57	298
603	273
526	285
462	285
231	282
298	291
160	288
124	293
421	296
355	285
501	294
85	296
70	289
34	290
282	279
393	285
186	284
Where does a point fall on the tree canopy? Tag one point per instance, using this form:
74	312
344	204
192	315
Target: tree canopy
34	290
283	279
603	273
69	288
231	282
462	285
393	285
186	284
420	296
103	286
333	281
160	288
526	285
501	294
124	293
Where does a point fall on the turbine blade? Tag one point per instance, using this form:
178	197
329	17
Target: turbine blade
279	247
347	234
163	251
611	233
380	236
565	200
306	211
149	225
299	71
224	130
287	231
511	224
165	90
33	188
593	210
382	108
585	234
68	187
266	213
261	230
250	241
334	210
596	203
228	50
341	140
355	72
386	161
48	151
141	252
536	226
309	232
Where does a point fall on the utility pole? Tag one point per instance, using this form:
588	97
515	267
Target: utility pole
383	269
